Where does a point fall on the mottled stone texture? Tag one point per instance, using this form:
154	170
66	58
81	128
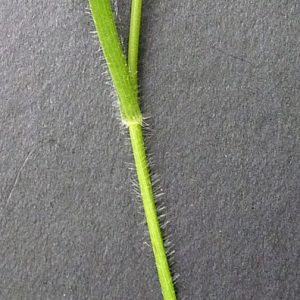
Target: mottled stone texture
220	83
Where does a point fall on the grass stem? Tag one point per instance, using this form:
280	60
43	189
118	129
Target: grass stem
163	270
134	39
125	82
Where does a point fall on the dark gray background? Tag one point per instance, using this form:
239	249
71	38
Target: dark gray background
219	81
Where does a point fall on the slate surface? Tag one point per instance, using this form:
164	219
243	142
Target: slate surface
220	83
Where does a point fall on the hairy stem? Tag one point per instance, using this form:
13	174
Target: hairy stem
138	148
111	47
125	81
160	256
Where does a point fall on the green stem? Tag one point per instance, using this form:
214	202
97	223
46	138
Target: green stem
125	81
112	50
138	148
134	38
164	274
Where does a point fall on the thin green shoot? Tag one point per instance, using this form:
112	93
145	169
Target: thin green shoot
125	82
134	39
112	50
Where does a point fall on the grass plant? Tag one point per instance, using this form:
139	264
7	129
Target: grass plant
125	79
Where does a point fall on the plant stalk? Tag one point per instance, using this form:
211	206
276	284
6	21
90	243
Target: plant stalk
125	81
